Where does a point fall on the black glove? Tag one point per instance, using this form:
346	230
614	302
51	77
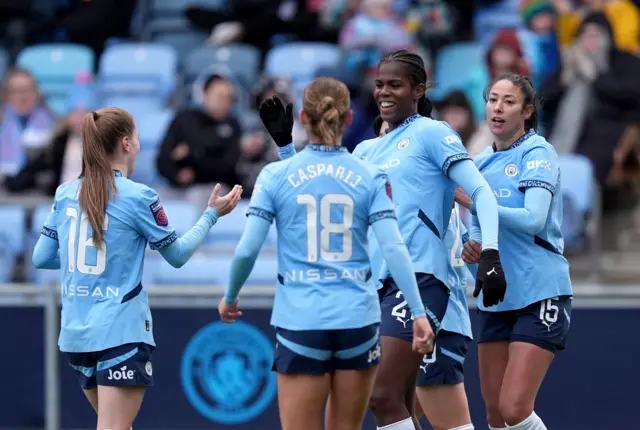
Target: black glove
277	120
490	278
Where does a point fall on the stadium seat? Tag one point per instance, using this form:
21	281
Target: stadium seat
182	215
452	67
152	127
138	69
12	237
4	61
55	67
488	20
229	228
578	196
183	40
138	106
299	61
146	171
242	61
199	270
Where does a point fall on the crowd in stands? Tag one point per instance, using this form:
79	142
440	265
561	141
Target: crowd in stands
194	72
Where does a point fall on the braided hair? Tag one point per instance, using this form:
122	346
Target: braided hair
414	67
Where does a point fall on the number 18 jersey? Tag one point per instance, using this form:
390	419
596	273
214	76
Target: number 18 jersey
323	201
103	302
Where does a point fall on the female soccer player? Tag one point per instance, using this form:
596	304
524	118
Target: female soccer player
326	311
517	339
97	233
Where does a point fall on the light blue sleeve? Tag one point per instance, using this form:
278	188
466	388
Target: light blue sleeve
45	254
261	203
181	249
288	151
539	169
443	146
151	220
381	198
253	236
468	177
532	217
474	232
399	262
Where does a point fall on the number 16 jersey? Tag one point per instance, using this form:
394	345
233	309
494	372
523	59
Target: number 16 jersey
103	302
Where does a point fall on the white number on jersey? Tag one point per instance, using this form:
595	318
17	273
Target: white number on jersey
85	241
327	227
455	219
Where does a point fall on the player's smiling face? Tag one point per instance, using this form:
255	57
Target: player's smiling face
505	111
395	96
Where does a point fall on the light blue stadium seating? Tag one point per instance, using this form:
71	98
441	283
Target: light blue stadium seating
145	170
138	106
182	215
182	40
452	66
488	20
55	67
4	61
242	61
299	61
12	238
578	191
138	69
199	270
152	127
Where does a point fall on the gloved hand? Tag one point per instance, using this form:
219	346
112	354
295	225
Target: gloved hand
278	120
490	278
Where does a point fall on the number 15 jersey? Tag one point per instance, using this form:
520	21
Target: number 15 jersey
103	302
323	201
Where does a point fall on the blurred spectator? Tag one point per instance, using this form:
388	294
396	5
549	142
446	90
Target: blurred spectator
372	32
504	55
61	161
455	110
623	15
539	17
202	145
432	22
595	96
25	121
240	22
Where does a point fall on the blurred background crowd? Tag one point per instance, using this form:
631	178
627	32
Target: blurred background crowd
193	72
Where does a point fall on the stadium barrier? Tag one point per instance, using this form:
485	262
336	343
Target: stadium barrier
210	375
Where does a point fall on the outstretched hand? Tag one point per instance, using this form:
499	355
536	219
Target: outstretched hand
278	120
224	205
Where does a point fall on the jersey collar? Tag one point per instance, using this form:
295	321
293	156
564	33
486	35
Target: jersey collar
326	148
520	140
408	120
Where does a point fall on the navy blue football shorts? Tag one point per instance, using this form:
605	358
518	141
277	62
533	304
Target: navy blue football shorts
544	323
316	352
445	366
127	365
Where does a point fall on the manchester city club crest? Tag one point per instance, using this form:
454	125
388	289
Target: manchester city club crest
403	144
511	169
226	372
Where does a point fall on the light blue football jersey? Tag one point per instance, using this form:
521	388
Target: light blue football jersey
456	318
534	266
323	201
103	302
417	156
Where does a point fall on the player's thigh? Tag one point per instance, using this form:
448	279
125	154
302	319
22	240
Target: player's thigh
118	406
303	363
301	399
92	397
356	355
440	384
396	319
493	335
